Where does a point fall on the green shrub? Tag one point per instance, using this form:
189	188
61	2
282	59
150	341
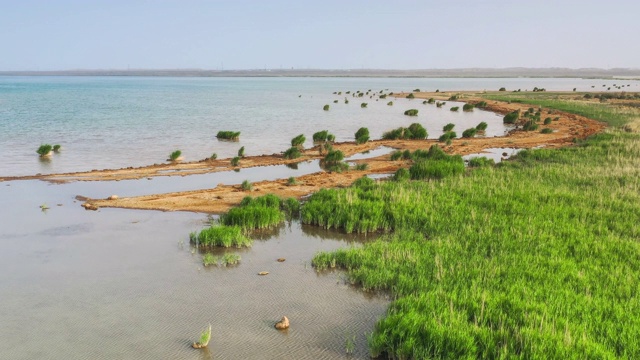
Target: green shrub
502	89
546	131
396	155
431	100
221	235
411	112
213	156
481	161
320	136
410	96
346	101
228	135
291	181
390	103
547	121
362	135
448	127
437	169
383	96
56	148
395	134
363	105
469	133
298	141
364	183
334	156
335	101
436	153
418	132
401	174
482	126
247	185
175	155
44	149
453	98
481	104
416	90
455	108
235	161
331	138
326	107
241	152
467	107
449	135
511	117
530	125
292	153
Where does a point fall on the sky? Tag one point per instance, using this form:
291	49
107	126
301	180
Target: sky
328	34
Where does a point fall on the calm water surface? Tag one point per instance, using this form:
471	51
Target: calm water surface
113	122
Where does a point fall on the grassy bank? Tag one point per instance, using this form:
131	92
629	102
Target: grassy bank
536	258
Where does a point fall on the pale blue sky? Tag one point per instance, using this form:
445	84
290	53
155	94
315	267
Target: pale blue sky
409	34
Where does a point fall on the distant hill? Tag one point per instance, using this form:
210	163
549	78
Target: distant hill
426	73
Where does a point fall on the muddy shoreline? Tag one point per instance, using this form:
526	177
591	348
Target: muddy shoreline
223	197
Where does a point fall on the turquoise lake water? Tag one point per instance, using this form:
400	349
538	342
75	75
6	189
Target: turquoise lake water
113	122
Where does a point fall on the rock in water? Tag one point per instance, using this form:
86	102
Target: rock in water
281	260
263	273
282	324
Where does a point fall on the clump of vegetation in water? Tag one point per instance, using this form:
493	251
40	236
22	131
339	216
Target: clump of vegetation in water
235	161
44	150
383	96
390	103
431	101
455	108
502	89
362	135
175	155
326	107
333	161
450	235
469	133
346	101
241	152
292	153
213	156
220	235
298	141
415	131
546	131
449	135
482	126
205	337
322	136
511	117
410	96
448	127
228	135
467	107
411	112
208	259
363	105
264	212
481	161
247	185
56	148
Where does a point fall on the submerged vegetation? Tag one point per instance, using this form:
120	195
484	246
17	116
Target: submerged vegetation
175	155
534	258
44	150
228	135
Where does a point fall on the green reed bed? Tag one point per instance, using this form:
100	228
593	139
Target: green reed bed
536	258
255	213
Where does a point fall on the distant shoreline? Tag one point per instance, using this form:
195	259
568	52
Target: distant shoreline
622	74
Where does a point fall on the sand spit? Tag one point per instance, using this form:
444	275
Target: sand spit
223	197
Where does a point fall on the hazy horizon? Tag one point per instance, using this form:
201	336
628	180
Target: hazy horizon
69	35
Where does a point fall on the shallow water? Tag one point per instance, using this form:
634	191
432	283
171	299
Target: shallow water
126	284
113	122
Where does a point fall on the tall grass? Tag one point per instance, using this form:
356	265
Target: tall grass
175	155
537	258
255	213
220	235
